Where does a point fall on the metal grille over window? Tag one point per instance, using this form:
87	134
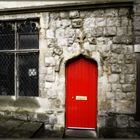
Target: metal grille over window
19	53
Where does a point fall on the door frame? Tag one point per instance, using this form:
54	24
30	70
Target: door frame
93	60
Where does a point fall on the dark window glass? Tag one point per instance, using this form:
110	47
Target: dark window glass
28	74
6	74
28	41
7	36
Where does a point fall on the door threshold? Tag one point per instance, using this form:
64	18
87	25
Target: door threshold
83	128
80	133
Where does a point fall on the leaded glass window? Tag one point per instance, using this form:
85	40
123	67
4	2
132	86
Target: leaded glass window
19	54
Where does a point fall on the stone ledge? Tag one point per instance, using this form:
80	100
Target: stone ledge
69	6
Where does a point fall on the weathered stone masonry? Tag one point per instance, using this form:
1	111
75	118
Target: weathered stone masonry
104	35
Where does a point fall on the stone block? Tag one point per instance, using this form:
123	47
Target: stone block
116	87
110	106
114	78
88	23
123	12
60	118
136	23
70	41
52	94
110	31
44	21
98	13
116	48
113	21
74	14
60	33
109	88
128	88
123	39
130	78
113	58
129	59
100	21
137	39
54	15
111	121
64	23
102	120
121	31
116	68
64	15
128	49
92	40
49	33
121	59
52	24
49	61
122	78
120	96
57	51
62	42
111	12
99	31
129	30
50	76
125	106
58	63
69	33
48	127
131	95
137	48
57	103
52	119
122	121
133	123
42	117
51	42
124	21
77	23
89	47
129	69
110	95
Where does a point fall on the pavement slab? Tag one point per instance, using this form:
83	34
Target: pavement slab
13	128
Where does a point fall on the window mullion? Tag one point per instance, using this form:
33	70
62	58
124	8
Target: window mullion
16	70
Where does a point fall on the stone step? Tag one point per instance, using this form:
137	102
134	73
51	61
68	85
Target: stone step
80	133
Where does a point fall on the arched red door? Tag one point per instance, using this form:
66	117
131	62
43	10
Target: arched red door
81	93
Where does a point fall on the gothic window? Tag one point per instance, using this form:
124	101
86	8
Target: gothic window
19	54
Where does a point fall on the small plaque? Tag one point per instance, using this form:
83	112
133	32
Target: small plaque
32	72
81	97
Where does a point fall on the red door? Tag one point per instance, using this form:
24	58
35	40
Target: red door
81	92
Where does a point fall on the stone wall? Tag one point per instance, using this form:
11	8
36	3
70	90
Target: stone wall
104	35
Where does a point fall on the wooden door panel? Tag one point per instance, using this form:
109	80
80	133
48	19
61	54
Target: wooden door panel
81	89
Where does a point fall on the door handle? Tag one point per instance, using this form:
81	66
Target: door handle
72	97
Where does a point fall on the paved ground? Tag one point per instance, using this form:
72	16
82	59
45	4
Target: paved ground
11	128
69	134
